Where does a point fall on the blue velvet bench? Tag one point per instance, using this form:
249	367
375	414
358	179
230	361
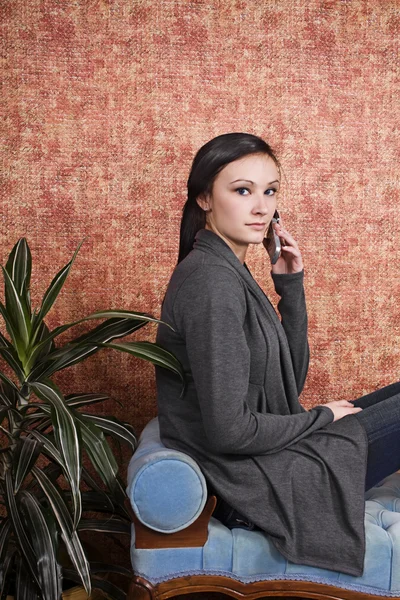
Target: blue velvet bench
178	548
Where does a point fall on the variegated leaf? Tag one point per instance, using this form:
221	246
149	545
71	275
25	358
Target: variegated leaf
69	534
49	572
67	438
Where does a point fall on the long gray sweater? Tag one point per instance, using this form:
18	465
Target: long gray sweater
295	473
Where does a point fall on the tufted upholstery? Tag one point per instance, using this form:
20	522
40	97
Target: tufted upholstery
158	481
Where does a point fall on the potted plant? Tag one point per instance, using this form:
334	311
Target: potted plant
46	491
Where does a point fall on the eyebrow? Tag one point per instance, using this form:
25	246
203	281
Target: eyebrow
252	182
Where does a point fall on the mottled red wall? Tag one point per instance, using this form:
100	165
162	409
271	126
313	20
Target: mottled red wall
106	103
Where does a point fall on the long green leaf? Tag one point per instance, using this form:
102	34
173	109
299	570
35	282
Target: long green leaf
122	314
40	342
48	570
99	451
151	352
69	535
8	434
6	568
44	425
36	423
67	438
37	417
97	502
122	324
25	588
19	267
44	345
41	410
91	483
5	531
114	427
19	527
116	318
10	387
3	414
100	502
53	290
53	472
109	330
105	525
43	348
27	452
77	400
11	357
14	421
61	359
5	465
16	311
82	347
9	393
12	330
50	448
4	341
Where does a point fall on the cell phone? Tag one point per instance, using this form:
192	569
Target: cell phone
272	242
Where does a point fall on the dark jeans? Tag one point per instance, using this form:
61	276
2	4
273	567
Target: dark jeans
381	419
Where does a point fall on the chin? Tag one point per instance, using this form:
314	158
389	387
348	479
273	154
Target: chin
256	237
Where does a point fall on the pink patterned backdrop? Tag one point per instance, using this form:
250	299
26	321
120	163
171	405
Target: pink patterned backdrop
106	102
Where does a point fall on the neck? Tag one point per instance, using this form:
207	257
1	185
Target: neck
239	250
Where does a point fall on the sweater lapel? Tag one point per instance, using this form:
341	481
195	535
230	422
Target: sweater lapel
210	242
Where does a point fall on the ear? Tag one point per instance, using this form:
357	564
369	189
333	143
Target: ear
203	201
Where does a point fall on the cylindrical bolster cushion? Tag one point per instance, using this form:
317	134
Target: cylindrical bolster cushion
166	487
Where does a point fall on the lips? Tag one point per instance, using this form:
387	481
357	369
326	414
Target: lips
256	224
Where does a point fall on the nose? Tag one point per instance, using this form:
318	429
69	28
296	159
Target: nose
263	205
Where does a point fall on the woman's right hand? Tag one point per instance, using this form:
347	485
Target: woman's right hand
342	408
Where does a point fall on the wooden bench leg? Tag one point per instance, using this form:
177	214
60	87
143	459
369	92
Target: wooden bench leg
140	589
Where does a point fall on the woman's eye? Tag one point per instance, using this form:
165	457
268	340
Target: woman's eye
242	191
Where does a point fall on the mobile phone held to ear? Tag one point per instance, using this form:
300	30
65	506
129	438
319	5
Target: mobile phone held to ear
272	242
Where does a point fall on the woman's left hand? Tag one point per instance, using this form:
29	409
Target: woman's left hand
290	260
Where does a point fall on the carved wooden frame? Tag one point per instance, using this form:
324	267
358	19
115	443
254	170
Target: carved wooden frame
140	589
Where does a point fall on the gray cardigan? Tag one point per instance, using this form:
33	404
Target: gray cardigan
295	473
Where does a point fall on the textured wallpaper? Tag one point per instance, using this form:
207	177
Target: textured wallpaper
105	103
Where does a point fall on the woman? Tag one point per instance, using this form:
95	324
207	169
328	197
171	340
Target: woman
298	475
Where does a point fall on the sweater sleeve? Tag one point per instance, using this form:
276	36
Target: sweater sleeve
209	312
292	308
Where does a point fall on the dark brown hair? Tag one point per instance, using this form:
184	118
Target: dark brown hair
208	162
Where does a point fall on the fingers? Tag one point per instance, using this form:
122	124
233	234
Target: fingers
291	255
294	250
283	233
351	409
349	404
290	249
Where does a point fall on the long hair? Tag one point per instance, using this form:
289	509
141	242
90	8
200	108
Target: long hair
208	162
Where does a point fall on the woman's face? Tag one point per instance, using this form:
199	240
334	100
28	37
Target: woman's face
244	193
